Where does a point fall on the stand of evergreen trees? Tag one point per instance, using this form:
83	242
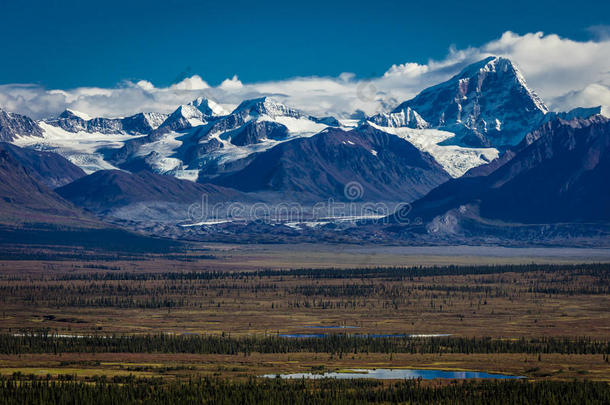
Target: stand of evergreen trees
392	273
43	342
277	391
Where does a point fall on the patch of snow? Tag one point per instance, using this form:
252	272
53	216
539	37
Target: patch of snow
81	148
79	114
186	174
456	160
208	107
348	123
209	222
300	126
155	119
195	122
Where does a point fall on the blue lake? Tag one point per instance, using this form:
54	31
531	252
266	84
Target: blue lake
323	335
302	335
396	374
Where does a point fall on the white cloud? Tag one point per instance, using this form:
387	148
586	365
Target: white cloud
190	83
145	84
592	95
564	72
408	69
555	66
231	84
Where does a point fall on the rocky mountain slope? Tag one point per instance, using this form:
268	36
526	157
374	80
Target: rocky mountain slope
558	173
14	125
486	104
48	168
385	167
25	199
107	190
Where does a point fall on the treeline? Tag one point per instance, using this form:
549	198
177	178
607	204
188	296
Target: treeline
277	391
339	344
393	273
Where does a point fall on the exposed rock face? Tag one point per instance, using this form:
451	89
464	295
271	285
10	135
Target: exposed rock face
14	125
487	104
558	173
138	124
386	167
401	117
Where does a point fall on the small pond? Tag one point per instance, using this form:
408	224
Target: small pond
395	374
377	336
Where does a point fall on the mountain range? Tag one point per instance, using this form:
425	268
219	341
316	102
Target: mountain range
478	150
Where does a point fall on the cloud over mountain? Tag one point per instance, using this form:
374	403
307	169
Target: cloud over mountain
564	72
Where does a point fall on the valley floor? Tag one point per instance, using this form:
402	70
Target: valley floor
381	307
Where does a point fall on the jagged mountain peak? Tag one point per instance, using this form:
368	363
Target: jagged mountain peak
184	117
188	111
13	125
266	106
208	107
318	167
69	113
487	104
75	121
489	64
197	112
405	117
153	119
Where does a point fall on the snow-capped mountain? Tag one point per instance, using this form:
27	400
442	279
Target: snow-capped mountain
190	141
257	110
513	163
208	107
462	123
465	121
385	167
74	121
196	113
13	126
401	117
486	104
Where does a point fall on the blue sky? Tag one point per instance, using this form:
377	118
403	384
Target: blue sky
67	44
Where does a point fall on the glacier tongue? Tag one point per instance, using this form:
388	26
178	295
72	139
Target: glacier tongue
456	160
84	149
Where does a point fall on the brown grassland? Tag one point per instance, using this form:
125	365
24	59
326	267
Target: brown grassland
72	297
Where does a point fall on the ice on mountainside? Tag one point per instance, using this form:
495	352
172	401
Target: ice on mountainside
406	117
487	104
455	159
462	123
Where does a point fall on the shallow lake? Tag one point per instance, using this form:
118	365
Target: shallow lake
395	374
323	335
